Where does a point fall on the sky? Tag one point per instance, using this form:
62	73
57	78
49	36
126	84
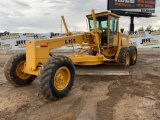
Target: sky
44	16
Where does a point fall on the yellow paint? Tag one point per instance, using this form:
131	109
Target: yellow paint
10	36
155	33
29	34
37	51
89	63
115	41
32	72
127	59
87	59
20	73
65	25
137	35
153	42
61	78
134	55
36	54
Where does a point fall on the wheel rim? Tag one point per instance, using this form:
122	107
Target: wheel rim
127	58
20	73
134	55
62	78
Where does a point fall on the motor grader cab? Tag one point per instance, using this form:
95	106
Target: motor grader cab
108	24
110	40
56	73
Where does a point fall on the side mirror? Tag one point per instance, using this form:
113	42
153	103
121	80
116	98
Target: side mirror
122	30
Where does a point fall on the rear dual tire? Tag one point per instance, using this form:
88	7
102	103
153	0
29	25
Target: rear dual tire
124	56
128	56
133	58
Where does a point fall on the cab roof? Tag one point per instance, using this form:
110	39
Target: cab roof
102	14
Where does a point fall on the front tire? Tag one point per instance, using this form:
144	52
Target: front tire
13	70
56	77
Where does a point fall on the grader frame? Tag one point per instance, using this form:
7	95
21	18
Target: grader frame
34	49
56	73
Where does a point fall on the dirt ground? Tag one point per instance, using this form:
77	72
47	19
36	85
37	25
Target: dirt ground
133	97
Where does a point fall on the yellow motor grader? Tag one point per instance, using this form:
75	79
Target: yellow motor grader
56	73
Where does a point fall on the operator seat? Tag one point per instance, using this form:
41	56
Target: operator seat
104	37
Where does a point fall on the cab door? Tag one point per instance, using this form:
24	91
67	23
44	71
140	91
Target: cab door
113	30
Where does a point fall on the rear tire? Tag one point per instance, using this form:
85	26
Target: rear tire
13	70
56	77
133	58
124	56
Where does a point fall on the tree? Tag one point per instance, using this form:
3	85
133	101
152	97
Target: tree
149	28
158	29
141	29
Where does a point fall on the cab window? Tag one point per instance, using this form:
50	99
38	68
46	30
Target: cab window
102	22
